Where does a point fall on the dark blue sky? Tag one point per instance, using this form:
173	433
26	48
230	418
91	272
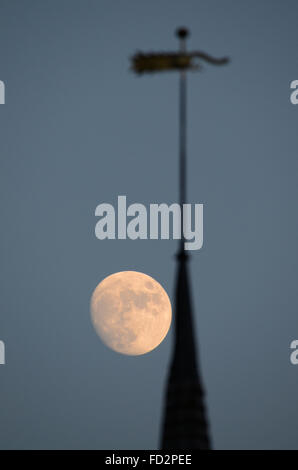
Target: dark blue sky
78	129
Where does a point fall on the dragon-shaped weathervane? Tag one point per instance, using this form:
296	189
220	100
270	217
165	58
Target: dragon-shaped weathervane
181	60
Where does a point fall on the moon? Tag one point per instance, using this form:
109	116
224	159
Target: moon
131	312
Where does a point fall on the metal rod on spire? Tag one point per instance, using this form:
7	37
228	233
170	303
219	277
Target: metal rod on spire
182	33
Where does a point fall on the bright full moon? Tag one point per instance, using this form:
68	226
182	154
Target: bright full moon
131	312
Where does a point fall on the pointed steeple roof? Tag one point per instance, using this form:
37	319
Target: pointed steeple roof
184	425
184	362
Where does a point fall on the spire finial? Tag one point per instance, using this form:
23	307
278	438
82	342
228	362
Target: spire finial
182	33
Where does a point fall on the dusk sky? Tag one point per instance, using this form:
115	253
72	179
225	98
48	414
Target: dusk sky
78	128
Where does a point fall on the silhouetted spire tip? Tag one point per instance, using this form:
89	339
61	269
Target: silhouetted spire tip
181	253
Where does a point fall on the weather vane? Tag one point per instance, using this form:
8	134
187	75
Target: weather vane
181	61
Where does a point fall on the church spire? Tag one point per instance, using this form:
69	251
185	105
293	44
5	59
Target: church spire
184	421
185	424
